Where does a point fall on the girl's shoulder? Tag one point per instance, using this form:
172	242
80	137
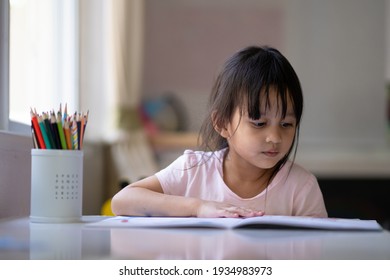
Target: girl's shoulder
292	170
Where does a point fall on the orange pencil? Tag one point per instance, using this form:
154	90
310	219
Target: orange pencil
67	135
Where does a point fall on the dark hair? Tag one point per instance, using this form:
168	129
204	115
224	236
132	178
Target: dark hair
247	74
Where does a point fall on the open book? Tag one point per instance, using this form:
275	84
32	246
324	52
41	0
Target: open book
275	222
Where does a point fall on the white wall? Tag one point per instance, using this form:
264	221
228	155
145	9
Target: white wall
15	175
338	50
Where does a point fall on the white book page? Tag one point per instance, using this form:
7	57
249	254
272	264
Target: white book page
255	222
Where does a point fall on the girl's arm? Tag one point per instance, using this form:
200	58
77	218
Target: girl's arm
146	198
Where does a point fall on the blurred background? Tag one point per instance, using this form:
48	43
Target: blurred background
144	70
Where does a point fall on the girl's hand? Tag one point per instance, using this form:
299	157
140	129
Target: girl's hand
211	209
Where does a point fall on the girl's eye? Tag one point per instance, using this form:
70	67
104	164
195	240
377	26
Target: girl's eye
286	124
258	124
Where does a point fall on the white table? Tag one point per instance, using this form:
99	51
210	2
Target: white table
20	239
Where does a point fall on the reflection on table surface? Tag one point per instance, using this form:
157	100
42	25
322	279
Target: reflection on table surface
20	239
213	244
247	244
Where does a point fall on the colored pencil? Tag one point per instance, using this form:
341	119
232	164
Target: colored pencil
67	135
61	131
55	132
51	130
73	130
44	132
37	130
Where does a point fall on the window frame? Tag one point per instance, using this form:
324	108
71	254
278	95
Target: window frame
4	65
5	123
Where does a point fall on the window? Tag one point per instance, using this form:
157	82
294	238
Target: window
43	57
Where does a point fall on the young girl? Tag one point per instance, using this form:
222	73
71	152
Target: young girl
244	169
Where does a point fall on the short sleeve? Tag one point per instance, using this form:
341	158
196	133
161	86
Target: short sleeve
174	178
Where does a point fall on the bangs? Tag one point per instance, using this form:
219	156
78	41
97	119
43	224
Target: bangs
256	100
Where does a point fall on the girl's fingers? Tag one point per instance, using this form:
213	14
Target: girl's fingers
210	209
234	212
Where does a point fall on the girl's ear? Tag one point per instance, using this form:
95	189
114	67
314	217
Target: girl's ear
221	129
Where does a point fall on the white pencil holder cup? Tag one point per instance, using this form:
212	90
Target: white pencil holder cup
56	186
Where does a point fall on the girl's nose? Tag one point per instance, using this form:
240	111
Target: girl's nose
273	136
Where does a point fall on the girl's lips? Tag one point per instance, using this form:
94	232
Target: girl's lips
271	153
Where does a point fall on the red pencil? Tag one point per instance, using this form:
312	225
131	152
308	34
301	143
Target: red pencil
37	130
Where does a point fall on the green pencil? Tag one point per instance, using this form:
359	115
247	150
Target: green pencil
61	131
44	133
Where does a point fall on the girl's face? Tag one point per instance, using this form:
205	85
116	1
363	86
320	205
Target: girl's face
264	142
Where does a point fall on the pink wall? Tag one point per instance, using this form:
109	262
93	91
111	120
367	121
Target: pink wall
187	41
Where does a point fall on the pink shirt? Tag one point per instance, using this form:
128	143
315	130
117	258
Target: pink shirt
292	192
